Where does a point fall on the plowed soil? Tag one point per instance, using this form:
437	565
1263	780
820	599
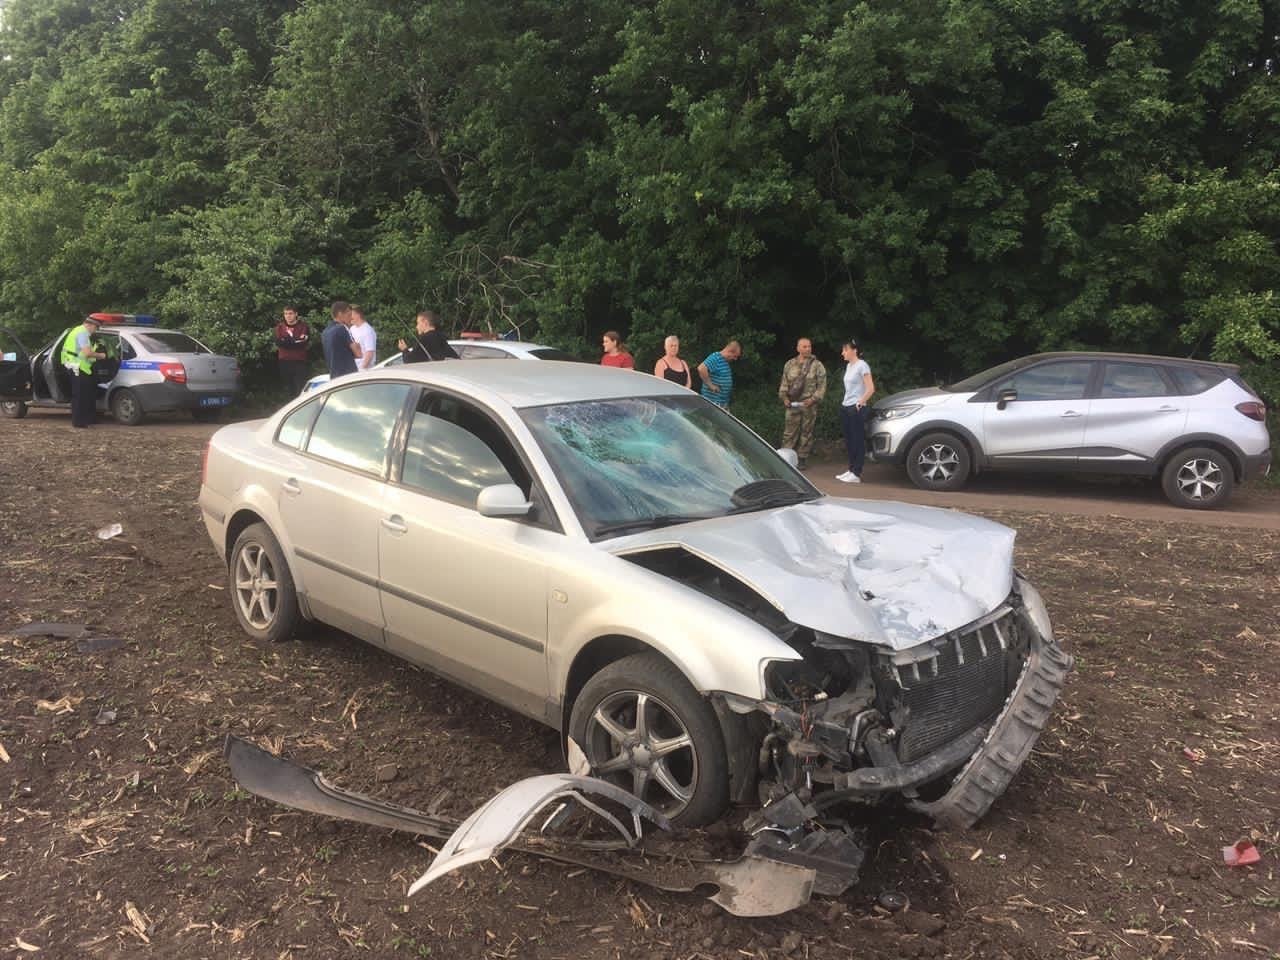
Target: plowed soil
123	834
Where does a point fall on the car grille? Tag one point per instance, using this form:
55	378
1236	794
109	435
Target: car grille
963	685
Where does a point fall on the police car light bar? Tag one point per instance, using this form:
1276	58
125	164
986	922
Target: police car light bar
141	319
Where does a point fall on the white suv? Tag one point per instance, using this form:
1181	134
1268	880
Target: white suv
1194	424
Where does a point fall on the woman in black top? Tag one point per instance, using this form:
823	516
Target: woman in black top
671	367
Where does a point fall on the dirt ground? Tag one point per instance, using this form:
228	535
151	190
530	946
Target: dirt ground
122	833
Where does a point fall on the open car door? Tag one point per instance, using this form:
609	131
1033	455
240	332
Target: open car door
15	374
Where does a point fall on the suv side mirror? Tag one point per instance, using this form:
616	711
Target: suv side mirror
1004	397
502	500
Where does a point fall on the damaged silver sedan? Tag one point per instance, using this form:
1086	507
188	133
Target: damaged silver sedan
617	558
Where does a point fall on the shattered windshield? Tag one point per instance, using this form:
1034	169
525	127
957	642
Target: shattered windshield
643	462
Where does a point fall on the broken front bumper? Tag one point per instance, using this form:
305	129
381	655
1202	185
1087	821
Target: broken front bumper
975	702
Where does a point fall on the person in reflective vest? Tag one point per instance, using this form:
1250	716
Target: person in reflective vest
78	354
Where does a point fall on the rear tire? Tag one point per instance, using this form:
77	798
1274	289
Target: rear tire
14	409
1198	478
126	408
938	461
262	592
679	744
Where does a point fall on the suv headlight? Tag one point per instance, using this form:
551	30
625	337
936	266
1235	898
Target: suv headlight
1036	610
898	413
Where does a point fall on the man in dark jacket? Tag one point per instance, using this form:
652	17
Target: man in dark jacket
293	337
429	344
340	351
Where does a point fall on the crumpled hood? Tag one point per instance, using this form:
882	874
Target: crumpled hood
887	573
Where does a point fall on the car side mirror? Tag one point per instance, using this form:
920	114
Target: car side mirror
1004	397
789	455
502	500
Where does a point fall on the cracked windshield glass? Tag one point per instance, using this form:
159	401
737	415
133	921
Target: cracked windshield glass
635	463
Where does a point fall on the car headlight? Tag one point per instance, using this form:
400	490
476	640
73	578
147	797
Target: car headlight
898	413
1036	610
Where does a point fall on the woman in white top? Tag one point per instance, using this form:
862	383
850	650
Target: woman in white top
858	388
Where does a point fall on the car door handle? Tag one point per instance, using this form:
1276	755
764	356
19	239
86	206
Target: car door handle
395	523
1166	409
291	487
1073	413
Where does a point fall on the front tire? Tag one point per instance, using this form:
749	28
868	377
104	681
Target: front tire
261	586
939	461
1199	478
644	728
126	408
14	409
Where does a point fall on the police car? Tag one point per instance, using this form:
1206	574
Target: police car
472	349
148	369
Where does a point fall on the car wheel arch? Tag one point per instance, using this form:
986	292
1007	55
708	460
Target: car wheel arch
1225	447
961	433
237	524
741	738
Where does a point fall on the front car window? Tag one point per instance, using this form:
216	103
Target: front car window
1050	381
653	461
355	424
455	450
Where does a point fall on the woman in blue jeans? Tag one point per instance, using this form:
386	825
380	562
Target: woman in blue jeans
858	388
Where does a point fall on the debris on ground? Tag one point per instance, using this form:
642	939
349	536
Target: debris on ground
1240	854
63	631
109	531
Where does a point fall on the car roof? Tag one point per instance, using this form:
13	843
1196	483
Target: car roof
1145	357
530	384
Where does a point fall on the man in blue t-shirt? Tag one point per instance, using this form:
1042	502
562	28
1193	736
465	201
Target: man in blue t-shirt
340	351
717	377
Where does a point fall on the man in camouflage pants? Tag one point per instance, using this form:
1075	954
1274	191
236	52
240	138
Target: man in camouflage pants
804	384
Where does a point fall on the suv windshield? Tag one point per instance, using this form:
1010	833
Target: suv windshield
643	462
980	380
168	342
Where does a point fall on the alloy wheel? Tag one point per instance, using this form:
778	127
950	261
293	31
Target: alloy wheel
638	742
1199	479
256	586
938	462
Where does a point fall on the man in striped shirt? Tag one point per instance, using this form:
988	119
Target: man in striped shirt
717	377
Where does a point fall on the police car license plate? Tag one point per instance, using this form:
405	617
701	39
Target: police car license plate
214	401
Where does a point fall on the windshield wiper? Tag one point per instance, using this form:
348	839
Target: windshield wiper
773	500
648	523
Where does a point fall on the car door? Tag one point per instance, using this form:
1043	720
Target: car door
463	594
1044	422
15	368
1134	413
330	494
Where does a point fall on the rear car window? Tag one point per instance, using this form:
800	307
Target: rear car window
162	342
1121	380
549	353
1191	380
296	426
483	353
354	426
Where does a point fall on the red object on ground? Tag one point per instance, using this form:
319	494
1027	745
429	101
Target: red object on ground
1241	854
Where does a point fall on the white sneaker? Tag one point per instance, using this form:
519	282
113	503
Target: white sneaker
844	477
853	478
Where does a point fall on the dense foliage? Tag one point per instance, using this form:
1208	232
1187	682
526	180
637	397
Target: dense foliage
953	182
